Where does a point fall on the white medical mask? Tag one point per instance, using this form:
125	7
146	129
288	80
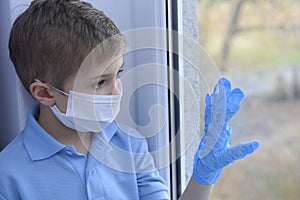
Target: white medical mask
88	112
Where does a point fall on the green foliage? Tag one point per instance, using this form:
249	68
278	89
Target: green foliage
267	33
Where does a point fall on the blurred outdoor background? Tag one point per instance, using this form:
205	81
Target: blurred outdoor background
256	44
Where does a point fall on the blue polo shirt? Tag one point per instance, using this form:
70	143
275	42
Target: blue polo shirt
35	166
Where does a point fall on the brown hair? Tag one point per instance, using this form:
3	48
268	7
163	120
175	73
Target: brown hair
51	38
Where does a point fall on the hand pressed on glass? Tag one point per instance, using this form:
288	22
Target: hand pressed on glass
214	151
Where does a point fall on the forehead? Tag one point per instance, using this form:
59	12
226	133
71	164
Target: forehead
111	66
97	69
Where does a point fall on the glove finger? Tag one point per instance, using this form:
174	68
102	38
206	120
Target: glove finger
226	84
219	100
237	152
236	96
207	100
215	140
223	85
218	109
223	140
233	103
207	114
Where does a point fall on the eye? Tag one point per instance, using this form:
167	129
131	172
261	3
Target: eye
100	84
120	71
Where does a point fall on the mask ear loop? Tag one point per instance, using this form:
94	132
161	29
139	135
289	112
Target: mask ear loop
63	92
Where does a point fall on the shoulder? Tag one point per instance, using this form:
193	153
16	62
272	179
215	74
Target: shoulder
12	148
16	147
129	139
130	131
12	159
12	155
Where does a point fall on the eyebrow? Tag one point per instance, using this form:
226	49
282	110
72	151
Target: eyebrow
107	75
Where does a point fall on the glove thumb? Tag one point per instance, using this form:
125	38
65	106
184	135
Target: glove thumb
237	152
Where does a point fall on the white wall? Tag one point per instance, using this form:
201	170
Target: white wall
13	97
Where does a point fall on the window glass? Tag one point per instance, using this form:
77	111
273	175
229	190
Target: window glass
256	45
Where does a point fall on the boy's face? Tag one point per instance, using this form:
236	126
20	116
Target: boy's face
97	79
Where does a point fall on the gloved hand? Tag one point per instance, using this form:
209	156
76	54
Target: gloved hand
214	151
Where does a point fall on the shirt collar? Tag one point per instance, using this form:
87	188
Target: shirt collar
38	143
101	146
101	140
110	131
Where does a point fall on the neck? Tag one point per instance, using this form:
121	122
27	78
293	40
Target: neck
63	134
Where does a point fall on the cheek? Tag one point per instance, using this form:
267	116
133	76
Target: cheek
117	90
61	103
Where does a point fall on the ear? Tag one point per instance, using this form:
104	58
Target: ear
43	93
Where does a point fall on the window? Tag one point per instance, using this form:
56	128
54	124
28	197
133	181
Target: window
256	45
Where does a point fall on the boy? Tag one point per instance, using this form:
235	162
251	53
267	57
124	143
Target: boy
71	148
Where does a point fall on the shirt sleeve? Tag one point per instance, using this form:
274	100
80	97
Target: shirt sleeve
2	198
150	184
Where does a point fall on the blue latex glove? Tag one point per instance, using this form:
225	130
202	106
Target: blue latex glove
214	151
